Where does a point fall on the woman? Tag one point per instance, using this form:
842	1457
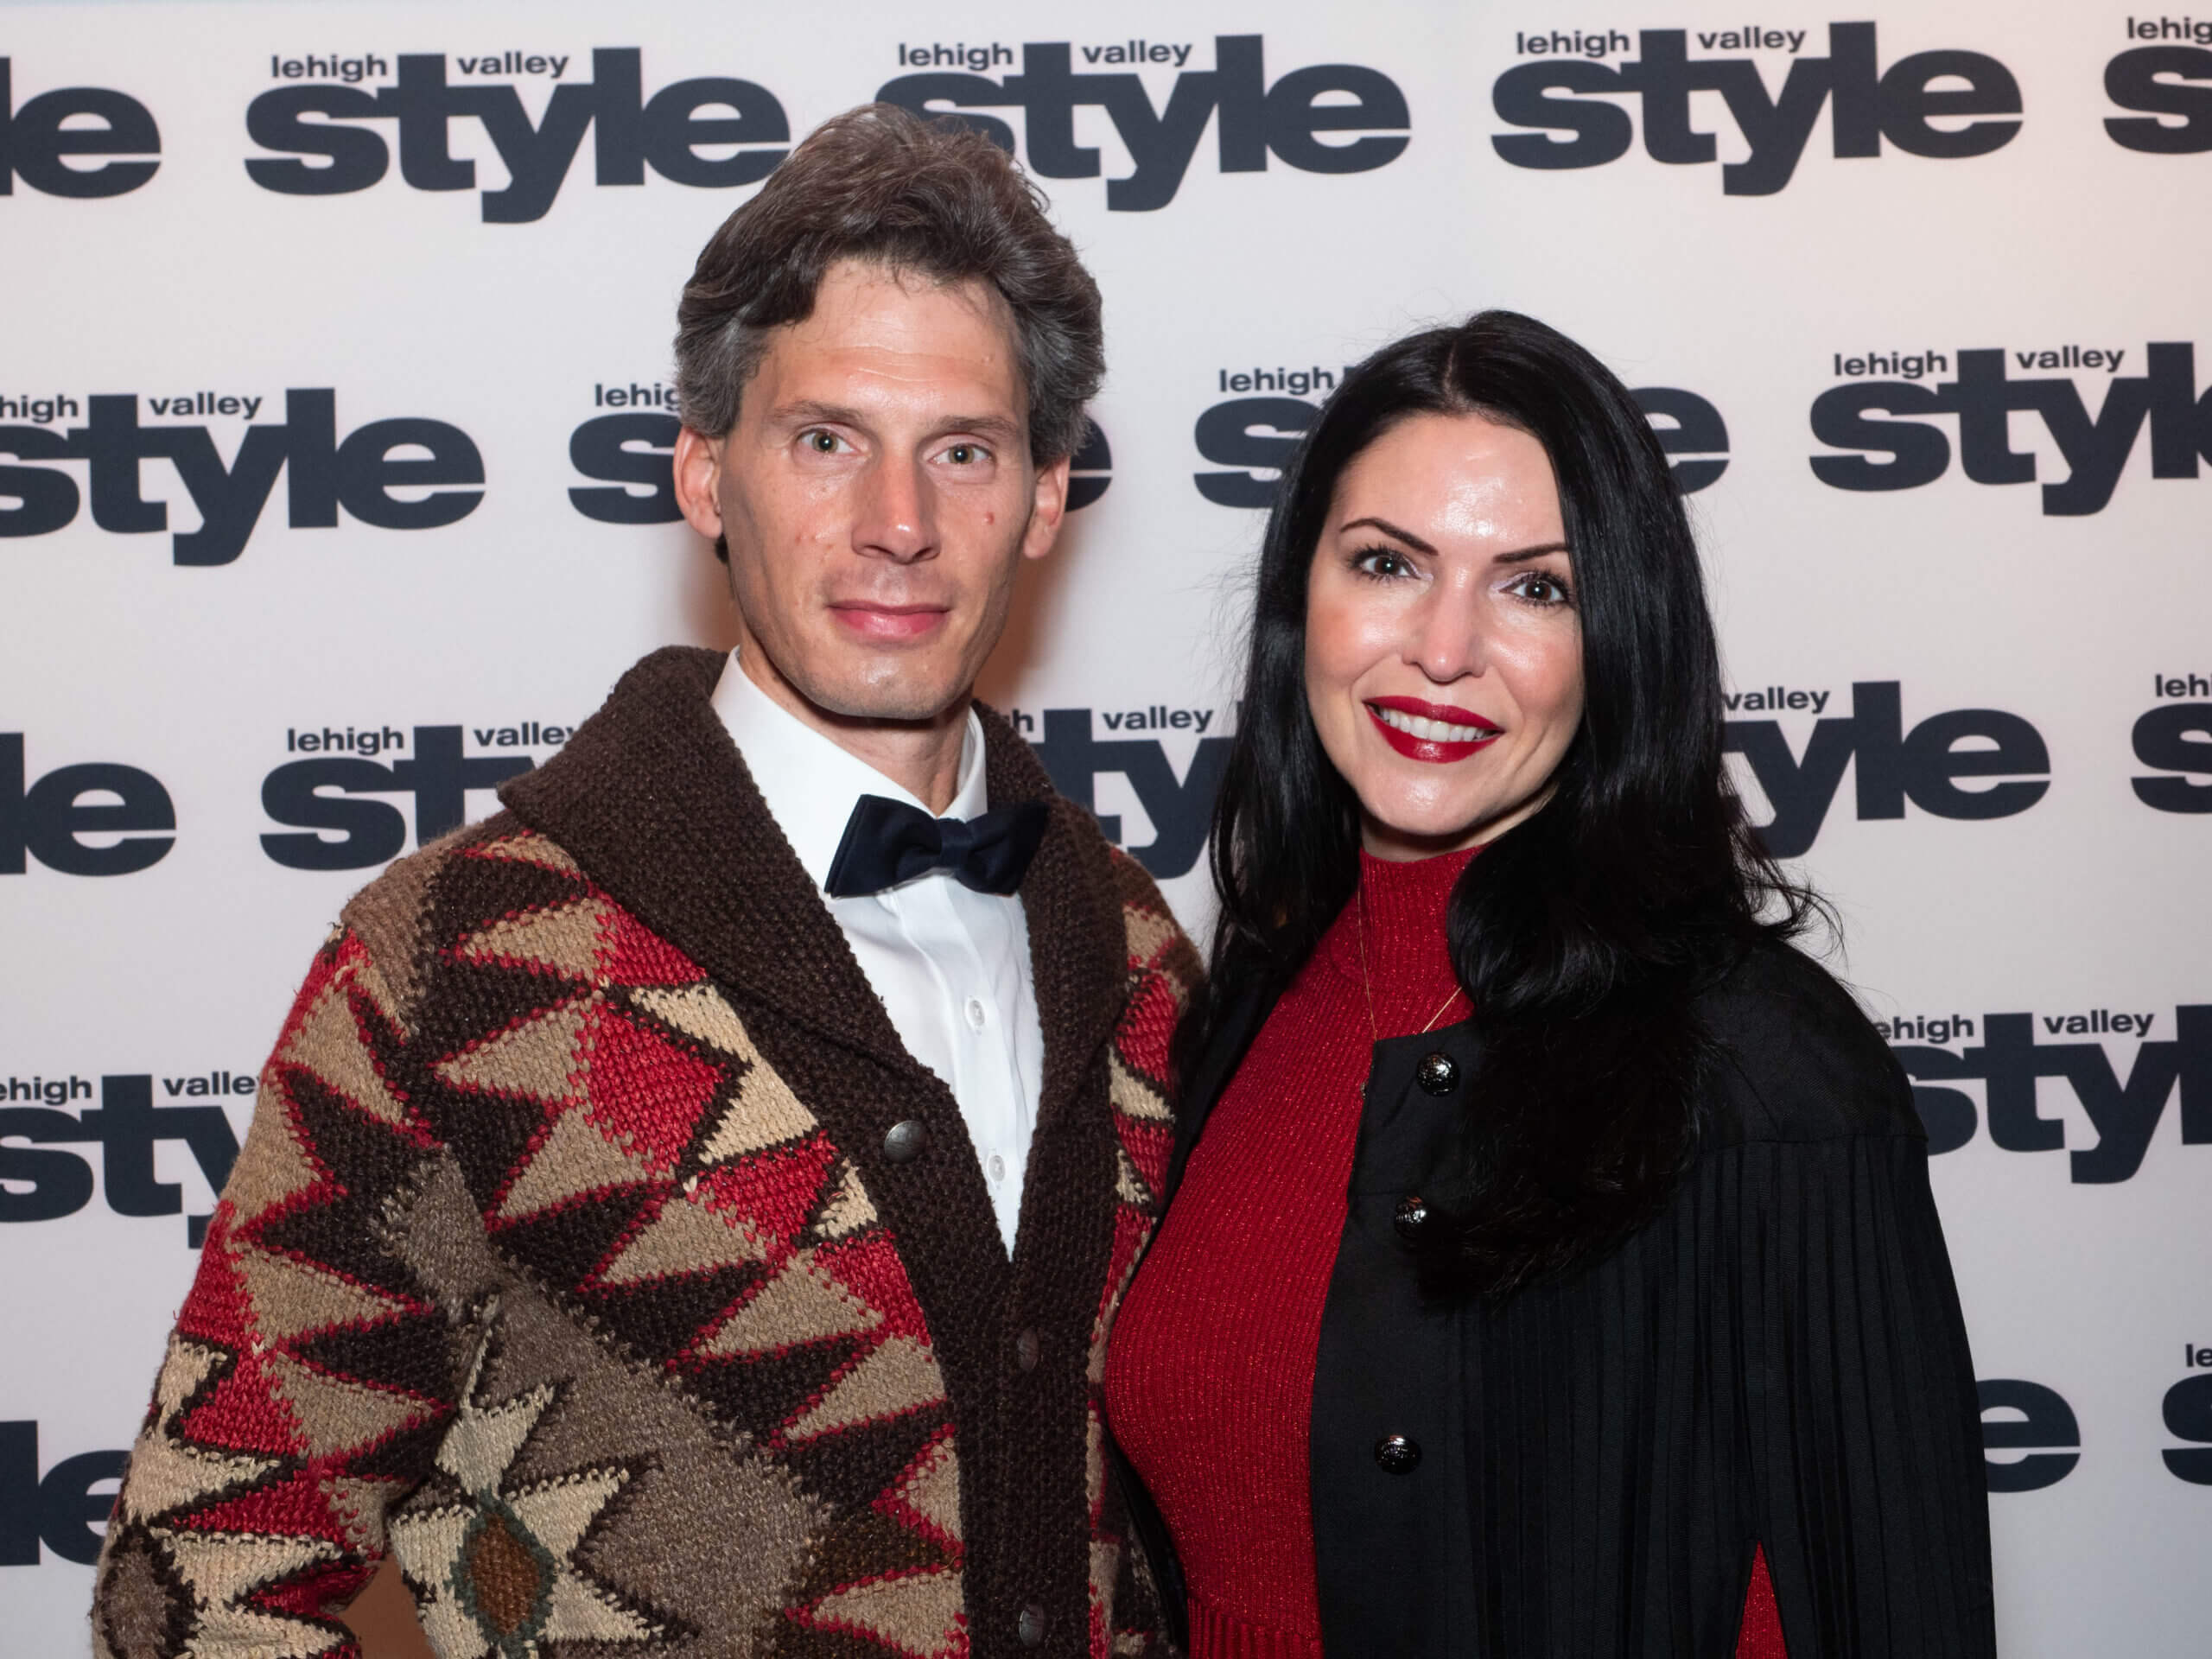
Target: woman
1553	1255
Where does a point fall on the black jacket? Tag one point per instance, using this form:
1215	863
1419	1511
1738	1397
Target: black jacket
1776	1360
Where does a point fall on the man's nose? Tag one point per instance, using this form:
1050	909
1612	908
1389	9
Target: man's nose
897	518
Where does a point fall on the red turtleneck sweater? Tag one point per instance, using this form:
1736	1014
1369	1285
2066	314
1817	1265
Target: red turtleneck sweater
1210	1379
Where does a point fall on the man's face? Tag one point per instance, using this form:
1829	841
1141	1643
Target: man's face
878	496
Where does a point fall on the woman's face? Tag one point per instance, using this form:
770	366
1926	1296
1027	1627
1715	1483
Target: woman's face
1443	651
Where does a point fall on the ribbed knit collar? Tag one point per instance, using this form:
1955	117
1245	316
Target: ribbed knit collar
1397	916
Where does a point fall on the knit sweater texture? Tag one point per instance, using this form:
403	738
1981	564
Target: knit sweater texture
1210	1384
566	1260
1209	1381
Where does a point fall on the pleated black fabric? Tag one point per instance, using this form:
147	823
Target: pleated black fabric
1778	1360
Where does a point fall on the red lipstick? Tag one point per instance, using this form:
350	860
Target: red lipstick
1435	750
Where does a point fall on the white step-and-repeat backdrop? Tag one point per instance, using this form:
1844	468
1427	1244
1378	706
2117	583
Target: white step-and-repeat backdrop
334	412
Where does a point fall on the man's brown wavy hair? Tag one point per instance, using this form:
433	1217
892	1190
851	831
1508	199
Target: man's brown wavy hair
930	199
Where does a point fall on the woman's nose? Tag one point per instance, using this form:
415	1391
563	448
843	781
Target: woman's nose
1446	641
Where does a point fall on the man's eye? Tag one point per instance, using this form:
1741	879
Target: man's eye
823	443
965	454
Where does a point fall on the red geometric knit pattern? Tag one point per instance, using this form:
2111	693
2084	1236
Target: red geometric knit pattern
536	1273
1163	972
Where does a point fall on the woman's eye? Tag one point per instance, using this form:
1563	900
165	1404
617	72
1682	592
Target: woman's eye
1542	590
1383	562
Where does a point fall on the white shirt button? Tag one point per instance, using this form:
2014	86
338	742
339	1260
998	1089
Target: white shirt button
975	1012
997	1167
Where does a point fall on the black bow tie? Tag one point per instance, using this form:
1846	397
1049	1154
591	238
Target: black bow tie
887	841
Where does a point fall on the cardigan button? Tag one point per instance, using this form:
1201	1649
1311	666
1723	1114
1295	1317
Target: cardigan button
1030	1627
1027	1349
1412	1215
906	1141
1397	1455
1437	1074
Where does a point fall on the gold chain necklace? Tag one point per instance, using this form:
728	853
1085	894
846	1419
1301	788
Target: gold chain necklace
1367	983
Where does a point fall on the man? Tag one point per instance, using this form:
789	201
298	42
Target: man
683	1214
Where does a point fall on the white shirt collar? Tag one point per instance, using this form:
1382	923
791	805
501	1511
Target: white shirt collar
812	785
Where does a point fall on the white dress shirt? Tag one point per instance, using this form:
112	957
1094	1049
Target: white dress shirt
951	965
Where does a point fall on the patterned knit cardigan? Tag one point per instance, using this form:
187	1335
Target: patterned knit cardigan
564	1261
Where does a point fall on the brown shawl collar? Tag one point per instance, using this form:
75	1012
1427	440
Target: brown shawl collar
653	799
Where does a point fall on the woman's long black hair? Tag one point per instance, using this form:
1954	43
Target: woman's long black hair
1580	935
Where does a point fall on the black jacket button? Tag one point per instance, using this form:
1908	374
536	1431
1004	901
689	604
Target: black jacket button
906	1141
1027	1349
1397	1455
1437	1074
1030	1627
1412	1215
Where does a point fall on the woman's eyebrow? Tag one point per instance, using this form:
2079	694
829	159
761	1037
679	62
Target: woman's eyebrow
1389	529
1518	555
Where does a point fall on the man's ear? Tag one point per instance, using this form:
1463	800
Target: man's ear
698	475
1048	509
